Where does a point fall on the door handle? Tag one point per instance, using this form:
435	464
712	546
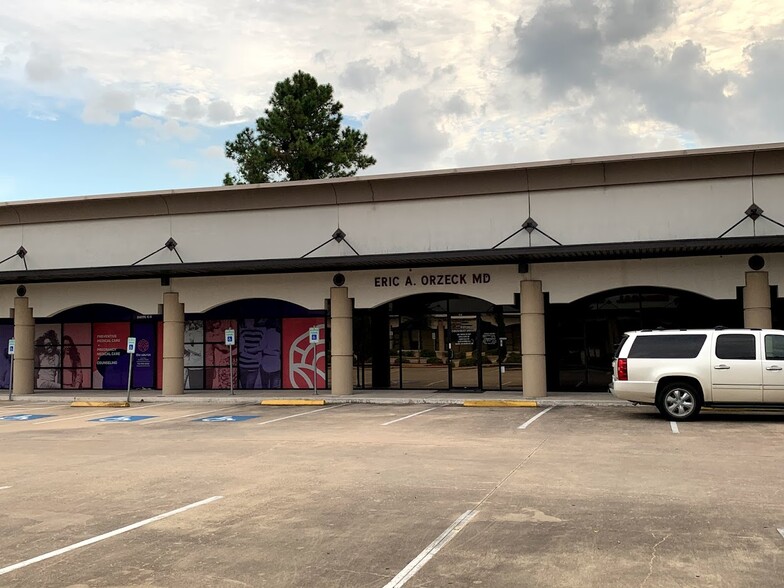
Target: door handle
721	366
773	368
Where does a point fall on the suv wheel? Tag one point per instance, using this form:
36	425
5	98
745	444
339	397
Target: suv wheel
679	402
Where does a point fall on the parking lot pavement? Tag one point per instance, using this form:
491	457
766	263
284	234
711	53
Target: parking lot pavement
368	495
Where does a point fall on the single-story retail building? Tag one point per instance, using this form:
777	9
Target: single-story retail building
514	277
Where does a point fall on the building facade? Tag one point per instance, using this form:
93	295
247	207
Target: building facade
517	277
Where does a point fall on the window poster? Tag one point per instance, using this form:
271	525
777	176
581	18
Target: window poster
259	354
159	354
194	355
300	353
6	333
216	355
47	356
110	359
143	366
76	355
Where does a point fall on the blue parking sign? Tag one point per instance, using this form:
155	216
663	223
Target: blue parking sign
24	417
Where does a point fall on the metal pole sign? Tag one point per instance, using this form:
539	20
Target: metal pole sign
131	349
11	351
314	339
230	343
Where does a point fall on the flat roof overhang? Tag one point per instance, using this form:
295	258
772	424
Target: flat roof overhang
474	257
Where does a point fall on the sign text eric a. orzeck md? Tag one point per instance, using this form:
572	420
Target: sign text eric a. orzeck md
431	280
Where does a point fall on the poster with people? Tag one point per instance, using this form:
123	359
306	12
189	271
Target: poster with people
259	354
47	356
305	361
193	357
76	356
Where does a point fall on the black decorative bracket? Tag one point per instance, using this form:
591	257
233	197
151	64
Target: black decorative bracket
339	236
753	212
21	252
170	244
530	225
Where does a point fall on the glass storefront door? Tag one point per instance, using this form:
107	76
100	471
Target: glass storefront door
438	342
466	351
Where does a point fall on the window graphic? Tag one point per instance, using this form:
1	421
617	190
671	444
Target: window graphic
301	353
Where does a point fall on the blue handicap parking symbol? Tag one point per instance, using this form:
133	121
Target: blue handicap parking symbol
121	419
225	419
24	417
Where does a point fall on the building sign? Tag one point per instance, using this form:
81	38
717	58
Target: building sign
432	279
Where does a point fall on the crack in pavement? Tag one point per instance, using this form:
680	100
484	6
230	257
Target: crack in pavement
653	557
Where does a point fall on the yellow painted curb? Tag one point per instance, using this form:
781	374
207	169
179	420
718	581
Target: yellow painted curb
526	403
292	402
115	404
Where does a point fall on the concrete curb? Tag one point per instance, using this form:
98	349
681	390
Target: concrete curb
100	403
326	399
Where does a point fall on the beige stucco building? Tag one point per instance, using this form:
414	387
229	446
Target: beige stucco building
515	277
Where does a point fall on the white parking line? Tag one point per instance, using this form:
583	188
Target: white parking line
409	416
94	414
87	542
674	427
182	416
781	532
4	487
533	418
420	560
291	416
23	408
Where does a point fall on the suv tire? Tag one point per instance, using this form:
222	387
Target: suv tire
679	401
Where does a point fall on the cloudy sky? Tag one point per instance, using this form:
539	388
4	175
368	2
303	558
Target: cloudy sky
126	95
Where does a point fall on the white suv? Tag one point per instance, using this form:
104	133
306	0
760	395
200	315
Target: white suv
681	371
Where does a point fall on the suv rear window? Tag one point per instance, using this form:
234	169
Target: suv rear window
667	346
617	350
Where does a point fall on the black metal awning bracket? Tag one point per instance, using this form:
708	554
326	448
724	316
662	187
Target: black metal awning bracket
530	225
170	244
339	236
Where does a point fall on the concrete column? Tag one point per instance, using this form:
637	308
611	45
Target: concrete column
532	330
24	354
342	342
173	344
756	301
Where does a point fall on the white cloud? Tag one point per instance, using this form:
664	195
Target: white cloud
405	134
106	106
43	66
183	165
214	152
164	130
438	84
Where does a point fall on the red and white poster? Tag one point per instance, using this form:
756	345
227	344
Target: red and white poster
299	354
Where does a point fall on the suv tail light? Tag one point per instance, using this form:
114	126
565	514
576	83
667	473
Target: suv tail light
623	372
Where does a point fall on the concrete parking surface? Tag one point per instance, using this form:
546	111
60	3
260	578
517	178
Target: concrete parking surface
370	495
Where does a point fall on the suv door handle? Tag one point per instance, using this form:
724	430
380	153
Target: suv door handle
773	368
721	366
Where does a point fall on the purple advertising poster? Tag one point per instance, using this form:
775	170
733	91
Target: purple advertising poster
143	372
6	333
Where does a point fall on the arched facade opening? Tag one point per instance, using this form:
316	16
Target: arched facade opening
272	350
581	336
84	347
438	342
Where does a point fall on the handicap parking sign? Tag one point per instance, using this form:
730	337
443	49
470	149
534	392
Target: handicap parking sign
121	419
24	417
225	419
